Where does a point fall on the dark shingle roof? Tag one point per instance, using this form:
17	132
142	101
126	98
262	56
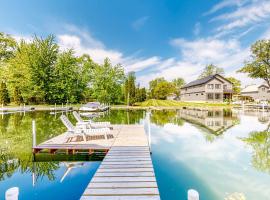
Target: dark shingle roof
200	81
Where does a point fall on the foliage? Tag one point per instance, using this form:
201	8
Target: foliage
160	88
7	47
140	95
236	85
260	143
259	65
17	96
4	97
107	81
178	84
130	89
211	70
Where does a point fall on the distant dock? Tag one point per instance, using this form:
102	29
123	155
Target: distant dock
126	172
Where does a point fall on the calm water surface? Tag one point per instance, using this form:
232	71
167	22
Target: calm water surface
221	153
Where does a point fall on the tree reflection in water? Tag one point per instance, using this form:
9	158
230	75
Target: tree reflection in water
259	141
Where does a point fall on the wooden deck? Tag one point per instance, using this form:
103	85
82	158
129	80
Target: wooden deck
126	172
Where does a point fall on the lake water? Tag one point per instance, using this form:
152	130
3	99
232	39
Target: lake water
223	154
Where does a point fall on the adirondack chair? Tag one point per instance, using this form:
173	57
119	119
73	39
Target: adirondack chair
91	123
78	131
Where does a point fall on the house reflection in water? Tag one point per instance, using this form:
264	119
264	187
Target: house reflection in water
215	121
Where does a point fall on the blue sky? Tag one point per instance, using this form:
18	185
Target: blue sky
153	38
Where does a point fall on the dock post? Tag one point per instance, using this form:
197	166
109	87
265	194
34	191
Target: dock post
149	130
12	193
34	132
193	195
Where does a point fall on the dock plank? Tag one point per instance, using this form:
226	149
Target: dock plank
146	197
123	185
121	191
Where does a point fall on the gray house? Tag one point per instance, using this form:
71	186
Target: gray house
214	88
257	92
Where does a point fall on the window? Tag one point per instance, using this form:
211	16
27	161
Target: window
225	87
217	86
201	93
263	89
210	86
217	96
210	96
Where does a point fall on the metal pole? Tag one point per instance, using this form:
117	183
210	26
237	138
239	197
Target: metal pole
149	130
34	132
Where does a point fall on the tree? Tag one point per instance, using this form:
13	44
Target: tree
178	84
107	81
7	47
160	88
130	89
4	97
236	85
259	65
18	73
17	96
211	70
65	78
140	94
42	56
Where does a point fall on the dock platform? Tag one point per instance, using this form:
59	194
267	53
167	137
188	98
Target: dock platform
126	172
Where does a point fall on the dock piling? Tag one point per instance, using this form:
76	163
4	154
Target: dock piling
34	133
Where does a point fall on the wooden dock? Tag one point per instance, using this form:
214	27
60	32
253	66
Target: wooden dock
126	172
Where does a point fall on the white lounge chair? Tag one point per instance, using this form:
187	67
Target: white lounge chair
82	131
91	123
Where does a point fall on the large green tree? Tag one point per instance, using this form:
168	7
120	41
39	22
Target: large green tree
178	84
4	97
106	82
160	88
130	88
211	70
7	46
236	85
64	84
259	65
42	57
18	73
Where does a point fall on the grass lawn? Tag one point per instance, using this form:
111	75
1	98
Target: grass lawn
172	103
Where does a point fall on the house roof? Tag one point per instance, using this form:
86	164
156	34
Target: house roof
251	88
203	80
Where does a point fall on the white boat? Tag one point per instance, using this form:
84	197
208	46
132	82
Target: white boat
94	107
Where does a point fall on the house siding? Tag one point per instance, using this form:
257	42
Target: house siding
204	91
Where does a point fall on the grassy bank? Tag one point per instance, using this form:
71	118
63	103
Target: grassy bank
172	103
153	103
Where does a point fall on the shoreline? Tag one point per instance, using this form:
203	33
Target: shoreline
113	107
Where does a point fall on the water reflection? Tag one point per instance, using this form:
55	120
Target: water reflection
234	164
259	141
215	121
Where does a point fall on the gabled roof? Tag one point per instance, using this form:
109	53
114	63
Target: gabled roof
203	80
250	88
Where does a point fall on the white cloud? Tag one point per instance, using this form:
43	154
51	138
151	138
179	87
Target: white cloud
224	4
245	16
98	54
139	23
